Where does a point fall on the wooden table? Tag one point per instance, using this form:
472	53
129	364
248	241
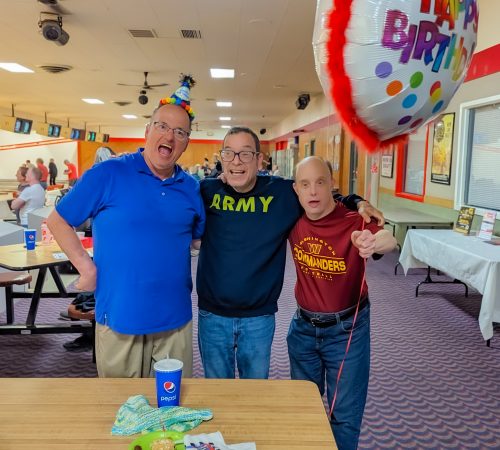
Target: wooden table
78	413
17	258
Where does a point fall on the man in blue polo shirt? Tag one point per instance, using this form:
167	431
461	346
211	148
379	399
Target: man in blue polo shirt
145	211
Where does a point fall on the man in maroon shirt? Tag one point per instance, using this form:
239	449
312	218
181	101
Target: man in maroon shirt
44	171
329	244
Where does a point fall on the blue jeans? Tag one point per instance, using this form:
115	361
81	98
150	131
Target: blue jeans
227	343
316	353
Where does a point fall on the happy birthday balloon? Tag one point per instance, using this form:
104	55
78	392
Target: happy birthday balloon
393	65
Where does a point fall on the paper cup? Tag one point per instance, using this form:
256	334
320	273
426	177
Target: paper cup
30	239
168	382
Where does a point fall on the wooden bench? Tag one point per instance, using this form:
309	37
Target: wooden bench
7	280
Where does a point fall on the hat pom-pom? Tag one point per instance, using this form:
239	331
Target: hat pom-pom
187	80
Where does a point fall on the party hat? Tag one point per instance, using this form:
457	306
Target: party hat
181	96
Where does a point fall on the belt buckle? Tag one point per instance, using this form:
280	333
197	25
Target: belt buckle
315	321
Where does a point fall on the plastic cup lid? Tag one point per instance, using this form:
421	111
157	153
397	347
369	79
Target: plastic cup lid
168	365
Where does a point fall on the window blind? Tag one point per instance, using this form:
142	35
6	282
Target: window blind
483	158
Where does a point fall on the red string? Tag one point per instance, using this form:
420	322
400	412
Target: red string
350	334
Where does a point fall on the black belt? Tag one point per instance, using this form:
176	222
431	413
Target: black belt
323	320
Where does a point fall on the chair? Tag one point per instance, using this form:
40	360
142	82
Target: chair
77	314
7	280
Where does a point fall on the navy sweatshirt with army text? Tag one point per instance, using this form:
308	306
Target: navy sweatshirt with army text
242	257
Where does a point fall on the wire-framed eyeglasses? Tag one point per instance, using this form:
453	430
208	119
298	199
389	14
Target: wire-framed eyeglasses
163	128
245	156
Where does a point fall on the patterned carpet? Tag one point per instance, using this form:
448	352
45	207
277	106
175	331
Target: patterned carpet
434	384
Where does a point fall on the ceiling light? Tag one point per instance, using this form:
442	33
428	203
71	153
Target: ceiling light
222	73
93	101
129	116
225	126
14	67
224	118
224	104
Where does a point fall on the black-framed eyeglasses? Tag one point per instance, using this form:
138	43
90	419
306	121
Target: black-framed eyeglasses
179	133
245	156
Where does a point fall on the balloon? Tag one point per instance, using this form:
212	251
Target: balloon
394	65
320	37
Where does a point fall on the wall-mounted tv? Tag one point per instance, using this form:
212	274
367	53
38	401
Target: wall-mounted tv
77	134
54	130
105	138
91	136
23	126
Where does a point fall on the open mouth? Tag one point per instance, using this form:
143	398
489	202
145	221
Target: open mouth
165	150
237	172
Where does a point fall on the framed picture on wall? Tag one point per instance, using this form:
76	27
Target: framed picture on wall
442	146
387	162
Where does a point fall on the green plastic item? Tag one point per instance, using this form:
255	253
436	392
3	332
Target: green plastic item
144	442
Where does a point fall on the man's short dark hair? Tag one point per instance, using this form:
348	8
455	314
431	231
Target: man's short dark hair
238	130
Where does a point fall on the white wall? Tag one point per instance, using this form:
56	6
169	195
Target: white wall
12	159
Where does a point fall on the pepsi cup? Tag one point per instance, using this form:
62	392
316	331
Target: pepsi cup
168	382
30	239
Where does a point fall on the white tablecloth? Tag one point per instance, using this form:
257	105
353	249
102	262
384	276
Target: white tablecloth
465	258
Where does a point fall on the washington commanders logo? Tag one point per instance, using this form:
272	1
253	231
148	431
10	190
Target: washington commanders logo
317	259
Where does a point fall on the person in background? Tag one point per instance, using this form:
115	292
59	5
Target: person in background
242	259
52	172
332	302
21	179
103	154
143	287
21	173
263	169
276	171
31	197
193	171
44	172
218	164
29	164
71	172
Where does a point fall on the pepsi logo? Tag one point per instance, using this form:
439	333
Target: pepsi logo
169	387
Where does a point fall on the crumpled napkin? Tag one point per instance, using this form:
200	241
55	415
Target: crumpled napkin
136	415
216	442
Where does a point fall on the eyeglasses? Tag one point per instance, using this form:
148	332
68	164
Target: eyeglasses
163	128
245	156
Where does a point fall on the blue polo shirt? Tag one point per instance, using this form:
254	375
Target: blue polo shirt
142	230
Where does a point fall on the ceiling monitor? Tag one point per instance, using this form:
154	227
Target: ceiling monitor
77	134
102	137
54	130
91	135
23	126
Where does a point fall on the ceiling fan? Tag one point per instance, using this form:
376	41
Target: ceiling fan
145	85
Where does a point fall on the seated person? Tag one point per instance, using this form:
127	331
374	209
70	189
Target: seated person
31	197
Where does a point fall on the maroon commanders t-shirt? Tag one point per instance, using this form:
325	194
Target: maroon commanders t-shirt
329	268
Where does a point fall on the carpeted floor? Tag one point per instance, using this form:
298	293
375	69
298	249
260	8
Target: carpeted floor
434	384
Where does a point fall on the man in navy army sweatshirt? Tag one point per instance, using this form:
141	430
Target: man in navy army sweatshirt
242	259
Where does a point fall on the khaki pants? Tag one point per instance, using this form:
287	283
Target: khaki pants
130	356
